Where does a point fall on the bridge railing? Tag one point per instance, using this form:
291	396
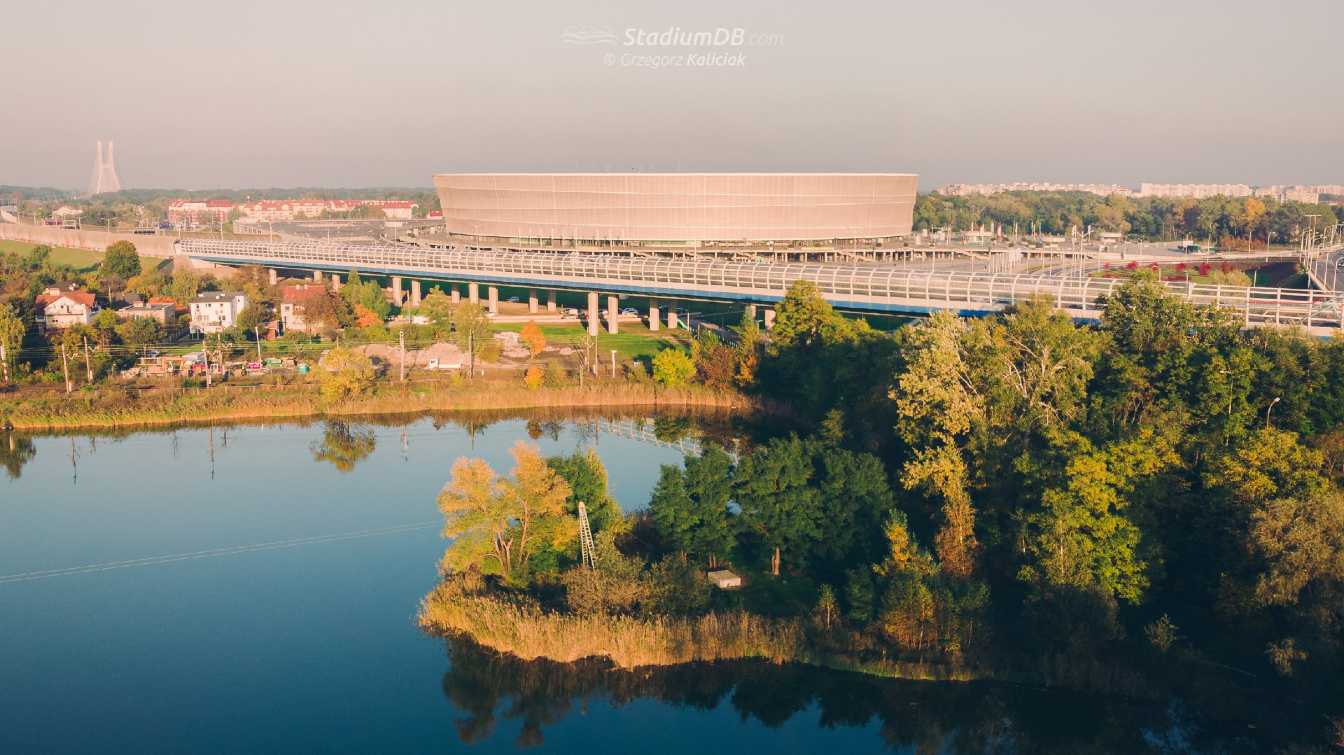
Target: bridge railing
855	286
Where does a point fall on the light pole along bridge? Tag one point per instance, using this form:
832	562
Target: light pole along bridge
871	288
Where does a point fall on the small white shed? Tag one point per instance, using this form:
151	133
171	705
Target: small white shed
724	579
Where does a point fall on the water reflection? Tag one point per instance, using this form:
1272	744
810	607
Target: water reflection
490	689
15	451
343	446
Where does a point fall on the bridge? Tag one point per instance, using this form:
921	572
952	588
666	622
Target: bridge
870	288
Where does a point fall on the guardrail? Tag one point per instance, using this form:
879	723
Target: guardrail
853	286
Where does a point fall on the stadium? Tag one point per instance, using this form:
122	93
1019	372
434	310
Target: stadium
678	211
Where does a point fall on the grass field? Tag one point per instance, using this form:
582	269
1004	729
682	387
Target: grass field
79	259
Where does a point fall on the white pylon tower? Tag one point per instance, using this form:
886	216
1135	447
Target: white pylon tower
104	172
587	552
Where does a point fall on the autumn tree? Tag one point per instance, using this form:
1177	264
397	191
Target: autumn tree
533	339
937	403
344	373
496	523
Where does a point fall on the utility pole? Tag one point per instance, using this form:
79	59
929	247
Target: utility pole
65	366
402	338
613	364
471	354
256	333
88	369
205	352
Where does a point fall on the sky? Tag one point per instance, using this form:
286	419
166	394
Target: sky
261	93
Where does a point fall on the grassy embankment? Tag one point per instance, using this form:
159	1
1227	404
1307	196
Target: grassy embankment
523	629
80	259
118	407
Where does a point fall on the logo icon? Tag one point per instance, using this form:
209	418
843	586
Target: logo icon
585	36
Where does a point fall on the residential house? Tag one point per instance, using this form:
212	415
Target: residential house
67	309
293	299
162	313
215	311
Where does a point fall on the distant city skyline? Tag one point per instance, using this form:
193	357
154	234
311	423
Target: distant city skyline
303	93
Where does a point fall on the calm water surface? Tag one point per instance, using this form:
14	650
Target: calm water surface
269	605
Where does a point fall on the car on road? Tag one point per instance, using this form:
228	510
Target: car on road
630	312
512	300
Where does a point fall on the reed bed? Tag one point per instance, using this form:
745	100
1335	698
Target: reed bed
114	407
522	629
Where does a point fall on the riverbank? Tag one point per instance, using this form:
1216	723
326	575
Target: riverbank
113	407
524	630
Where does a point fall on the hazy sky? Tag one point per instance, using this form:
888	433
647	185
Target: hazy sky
252	93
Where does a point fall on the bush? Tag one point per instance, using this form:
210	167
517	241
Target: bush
556	375
343	373
533	377
672	368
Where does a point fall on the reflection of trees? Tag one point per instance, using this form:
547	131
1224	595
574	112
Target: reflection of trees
486	687
343	446
670	429
15	451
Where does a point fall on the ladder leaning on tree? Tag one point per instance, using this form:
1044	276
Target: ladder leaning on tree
587	552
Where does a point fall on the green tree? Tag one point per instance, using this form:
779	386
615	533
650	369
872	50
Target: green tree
1083	536
777	499
121	260
139	332
438	308
690	506
184	286
672	368
472	325
586	476
12	330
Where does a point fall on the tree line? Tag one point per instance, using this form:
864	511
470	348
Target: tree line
1230	221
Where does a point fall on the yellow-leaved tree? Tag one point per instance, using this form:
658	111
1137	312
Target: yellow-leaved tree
496	523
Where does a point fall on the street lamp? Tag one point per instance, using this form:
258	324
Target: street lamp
1270	409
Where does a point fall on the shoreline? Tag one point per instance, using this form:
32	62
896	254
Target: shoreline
528	633
115	409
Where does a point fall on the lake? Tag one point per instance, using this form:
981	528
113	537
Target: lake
254	588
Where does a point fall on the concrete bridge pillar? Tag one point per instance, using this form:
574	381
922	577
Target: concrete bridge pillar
550	301
613	312
592	313
672	315
474	293
769	319
653	315
317	276
415	293
335	283
493	299
396	290
751	311
455	294
532	301
271	275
